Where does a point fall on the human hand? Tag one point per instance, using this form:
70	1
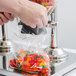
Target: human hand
30	13
33	14
5	17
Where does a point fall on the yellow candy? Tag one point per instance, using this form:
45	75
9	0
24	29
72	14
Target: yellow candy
28	59
42	63
45	3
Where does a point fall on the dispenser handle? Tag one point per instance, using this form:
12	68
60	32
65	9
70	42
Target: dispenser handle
3	33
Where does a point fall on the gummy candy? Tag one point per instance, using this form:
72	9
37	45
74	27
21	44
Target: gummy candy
31	63
44	2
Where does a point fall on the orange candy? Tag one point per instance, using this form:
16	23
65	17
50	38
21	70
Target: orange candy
28	59
19	60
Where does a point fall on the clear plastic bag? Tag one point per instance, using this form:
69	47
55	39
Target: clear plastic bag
29	57
32	61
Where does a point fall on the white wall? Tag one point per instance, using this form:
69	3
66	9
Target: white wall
67	23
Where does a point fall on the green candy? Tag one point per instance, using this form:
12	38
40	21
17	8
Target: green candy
42	57
44	66
20	66
44	75
36	57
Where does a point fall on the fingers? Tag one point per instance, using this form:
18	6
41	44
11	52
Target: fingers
40	24
44	21
1	22
3	18
44	17
33	26
9	16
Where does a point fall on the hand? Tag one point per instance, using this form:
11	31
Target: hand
30	13
33	14
5	17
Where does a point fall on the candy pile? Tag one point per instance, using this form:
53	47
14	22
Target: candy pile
45	2
31	62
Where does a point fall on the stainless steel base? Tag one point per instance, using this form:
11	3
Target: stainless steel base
5	47
58	54
60	69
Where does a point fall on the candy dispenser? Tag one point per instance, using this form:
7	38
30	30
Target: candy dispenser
34	46
55	53
29	57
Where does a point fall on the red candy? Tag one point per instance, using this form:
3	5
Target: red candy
45	2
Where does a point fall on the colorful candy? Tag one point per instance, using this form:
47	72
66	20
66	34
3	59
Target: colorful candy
44	2
31	62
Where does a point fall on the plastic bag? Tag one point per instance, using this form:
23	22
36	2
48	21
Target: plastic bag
30	62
